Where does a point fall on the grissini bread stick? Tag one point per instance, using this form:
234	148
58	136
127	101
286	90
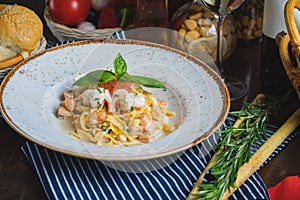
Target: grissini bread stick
14	60
265	151
213	160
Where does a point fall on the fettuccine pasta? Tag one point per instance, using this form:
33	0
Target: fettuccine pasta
116	113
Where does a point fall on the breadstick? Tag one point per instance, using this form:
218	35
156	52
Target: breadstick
265	151
14	60
213	160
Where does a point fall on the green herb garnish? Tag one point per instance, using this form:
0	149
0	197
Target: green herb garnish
233	150
95	77
144	81
119	74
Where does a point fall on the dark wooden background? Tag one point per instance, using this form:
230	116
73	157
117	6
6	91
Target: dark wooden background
19	181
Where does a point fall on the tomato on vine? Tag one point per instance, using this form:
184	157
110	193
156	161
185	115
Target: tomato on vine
69	12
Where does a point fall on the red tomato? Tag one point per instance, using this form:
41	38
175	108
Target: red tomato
69	12
108	17
113	85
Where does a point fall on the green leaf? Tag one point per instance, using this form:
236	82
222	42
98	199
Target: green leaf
234	149
120	66
144	81
95	77
107	76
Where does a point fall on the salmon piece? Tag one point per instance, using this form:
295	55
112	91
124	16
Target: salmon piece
101	116
97	117
69	94
62	112
69	104
147	124
163	103
93	118
144	120
145	138
150	128
102	140
136	130
156	112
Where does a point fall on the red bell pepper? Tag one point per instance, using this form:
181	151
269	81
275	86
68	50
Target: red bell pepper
108	17
118	13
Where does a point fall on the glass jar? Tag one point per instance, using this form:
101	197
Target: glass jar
152	13
249	20
198	29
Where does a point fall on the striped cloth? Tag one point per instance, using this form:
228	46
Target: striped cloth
67	177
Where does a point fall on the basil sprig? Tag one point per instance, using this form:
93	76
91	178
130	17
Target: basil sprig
93	78
120	74
120	66
144	81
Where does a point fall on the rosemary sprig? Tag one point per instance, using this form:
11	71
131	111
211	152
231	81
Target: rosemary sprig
234	148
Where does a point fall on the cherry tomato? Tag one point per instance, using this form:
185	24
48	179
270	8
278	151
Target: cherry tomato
108	17
69	12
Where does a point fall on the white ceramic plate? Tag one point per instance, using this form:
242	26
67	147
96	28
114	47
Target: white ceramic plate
31	94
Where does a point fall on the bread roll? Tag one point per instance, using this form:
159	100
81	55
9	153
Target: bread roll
20	29
6	52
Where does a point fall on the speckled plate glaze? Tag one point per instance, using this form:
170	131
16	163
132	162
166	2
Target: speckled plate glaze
31	94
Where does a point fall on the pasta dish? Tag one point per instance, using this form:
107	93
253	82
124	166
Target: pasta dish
116	113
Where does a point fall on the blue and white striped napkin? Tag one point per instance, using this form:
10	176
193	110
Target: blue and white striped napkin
67	177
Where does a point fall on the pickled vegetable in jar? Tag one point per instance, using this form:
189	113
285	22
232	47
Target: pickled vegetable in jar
198	29
249	20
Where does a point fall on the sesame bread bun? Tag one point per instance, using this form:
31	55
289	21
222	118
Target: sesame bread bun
6	52
20	29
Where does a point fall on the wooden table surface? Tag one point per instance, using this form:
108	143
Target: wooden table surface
19	181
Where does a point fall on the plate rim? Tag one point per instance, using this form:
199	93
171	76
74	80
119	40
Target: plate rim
200	63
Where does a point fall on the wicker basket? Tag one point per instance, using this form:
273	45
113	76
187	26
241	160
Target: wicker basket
292	69
64	33
41	46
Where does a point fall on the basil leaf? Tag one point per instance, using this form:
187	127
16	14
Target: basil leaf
107	76
95	77
144	81
120	66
